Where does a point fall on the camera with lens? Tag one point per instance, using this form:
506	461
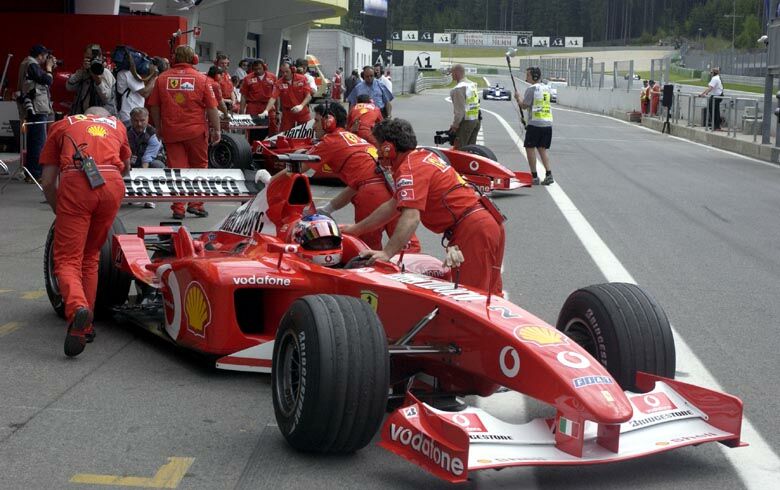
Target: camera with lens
57	62
96	66
26	102
442	137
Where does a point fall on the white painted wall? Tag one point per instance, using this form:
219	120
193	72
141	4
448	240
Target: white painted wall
361	53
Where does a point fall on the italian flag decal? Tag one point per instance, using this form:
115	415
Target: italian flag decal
567	427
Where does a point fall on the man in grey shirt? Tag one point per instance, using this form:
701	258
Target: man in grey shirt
538	133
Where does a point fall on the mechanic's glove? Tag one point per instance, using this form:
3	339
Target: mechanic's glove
326	209
454	257
263	176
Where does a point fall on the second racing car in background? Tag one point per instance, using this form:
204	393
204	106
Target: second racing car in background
496	92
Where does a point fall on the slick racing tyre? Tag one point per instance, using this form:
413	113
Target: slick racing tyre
52	286
480	150
330	374
232	151
623	328
113	284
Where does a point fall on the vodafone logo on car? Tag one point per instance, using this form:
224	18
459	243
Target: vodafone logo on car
653	402
509	361
427	447
261	281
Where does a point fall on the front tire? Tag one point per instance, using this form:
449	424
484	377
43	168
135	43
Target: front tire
330	374
623	328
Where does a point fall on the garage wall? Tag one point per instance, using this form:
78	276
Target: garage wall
361	53
328	46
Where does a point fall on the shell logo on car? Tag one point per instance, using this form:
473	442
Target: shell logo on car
540	336
197	309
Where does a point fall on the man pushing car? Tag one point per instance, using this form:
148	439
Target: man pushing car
429	190
88	153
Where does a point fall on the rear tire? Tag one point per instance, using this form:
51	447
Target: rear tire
113	284
331	374
480	150
623	328
232	151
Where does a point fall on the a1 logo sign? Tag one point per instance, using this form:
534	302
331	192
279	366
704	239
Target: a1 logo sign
653	402
467	421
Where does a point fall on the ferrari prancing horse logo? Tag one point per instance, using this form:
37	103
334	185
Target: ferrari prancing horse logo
370	297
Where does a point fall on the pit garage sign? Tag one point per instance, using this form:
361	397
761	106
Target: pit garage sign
423	60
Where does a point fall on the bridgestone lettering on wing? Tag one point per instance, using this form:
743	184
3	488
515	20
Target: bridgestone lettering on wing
439	287
172	183
427	447
489	437
661	418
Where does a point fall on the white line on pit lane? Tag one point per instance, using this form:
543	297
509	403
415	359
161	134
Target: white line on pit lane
757	465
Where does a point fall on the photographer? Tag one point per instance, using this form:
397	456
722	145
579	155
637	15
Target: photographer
93	84
34	102
132	90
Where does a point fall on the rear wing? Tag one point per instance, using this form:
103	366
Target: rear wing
188	184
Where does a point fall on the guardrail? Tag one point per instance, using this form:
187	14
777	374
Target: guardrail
729	109
424	83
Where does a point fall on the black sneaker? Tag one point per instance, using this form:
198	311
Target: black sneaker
548	180
90	334
178	216
535	181
75	339
199	212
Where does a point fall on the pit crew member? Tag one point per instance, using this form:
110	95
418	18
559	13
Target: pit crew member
430	191
85	206
225	84
178	102
363	117
352	159
294	93
214	74
465	106
337	79
538	134
256	90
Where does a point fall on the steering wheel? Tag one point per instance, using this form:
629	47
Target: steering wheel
356	262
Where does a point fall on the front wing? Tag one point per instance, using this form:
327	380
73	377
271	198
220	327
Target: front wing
450	444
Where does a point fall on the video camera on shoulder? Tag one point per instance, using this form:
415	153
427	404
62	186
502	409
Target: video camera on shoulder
442	137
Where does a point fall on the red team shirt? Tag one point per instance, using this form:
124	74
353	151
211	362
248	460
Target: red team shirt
105	139
423	181
183	94
226	85
258	91
368	115
337	152
292	93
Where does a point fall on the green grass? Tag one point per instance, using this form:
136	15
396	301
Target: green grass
456	52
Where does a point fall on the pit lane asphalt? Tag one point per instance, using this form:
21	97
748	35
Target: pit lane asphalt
696	227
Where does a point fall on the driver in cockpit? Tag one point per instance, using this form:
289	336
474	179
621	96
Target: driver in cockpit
320	238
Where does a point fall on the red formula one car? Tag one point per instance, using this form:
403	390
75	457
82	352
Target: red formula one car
345	343
476	163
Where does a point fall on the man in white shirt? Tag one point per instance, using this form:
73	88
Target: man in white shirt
714	89
302	67
131	92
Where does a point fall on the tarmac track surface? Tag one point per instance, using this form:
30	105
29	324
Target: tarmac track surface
698	228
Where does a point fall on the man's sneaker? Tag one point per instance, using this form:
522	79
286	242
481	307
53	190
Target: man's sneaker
548	180
199	212
150	205
90	334
75	339
535	181
178	215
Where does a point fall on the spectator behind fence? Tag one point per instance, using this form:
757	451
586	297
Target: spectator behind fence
714	90
34	103
94	85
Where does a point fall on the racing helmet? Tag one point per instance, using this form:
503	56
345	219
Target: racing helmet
320	237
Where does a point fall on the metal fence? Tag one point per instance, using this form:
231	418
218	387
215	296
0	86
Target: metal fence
623	74
750	64
424	83
404	78
577	72
738	114
660	69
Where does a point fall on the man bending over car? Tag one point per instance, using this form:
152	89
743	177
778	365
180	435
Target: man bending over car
429	190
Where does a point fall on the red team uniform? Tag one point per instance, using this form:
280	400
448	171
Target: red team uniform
351	159
257	92
448	205
292	93
367	115
84	214
183	95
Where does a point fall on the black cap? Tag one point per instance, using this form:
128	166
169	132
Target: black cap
38	49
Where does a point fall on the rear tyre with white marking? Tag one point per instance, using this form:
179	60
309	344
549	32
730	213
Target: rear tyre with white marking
331	372
622	327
